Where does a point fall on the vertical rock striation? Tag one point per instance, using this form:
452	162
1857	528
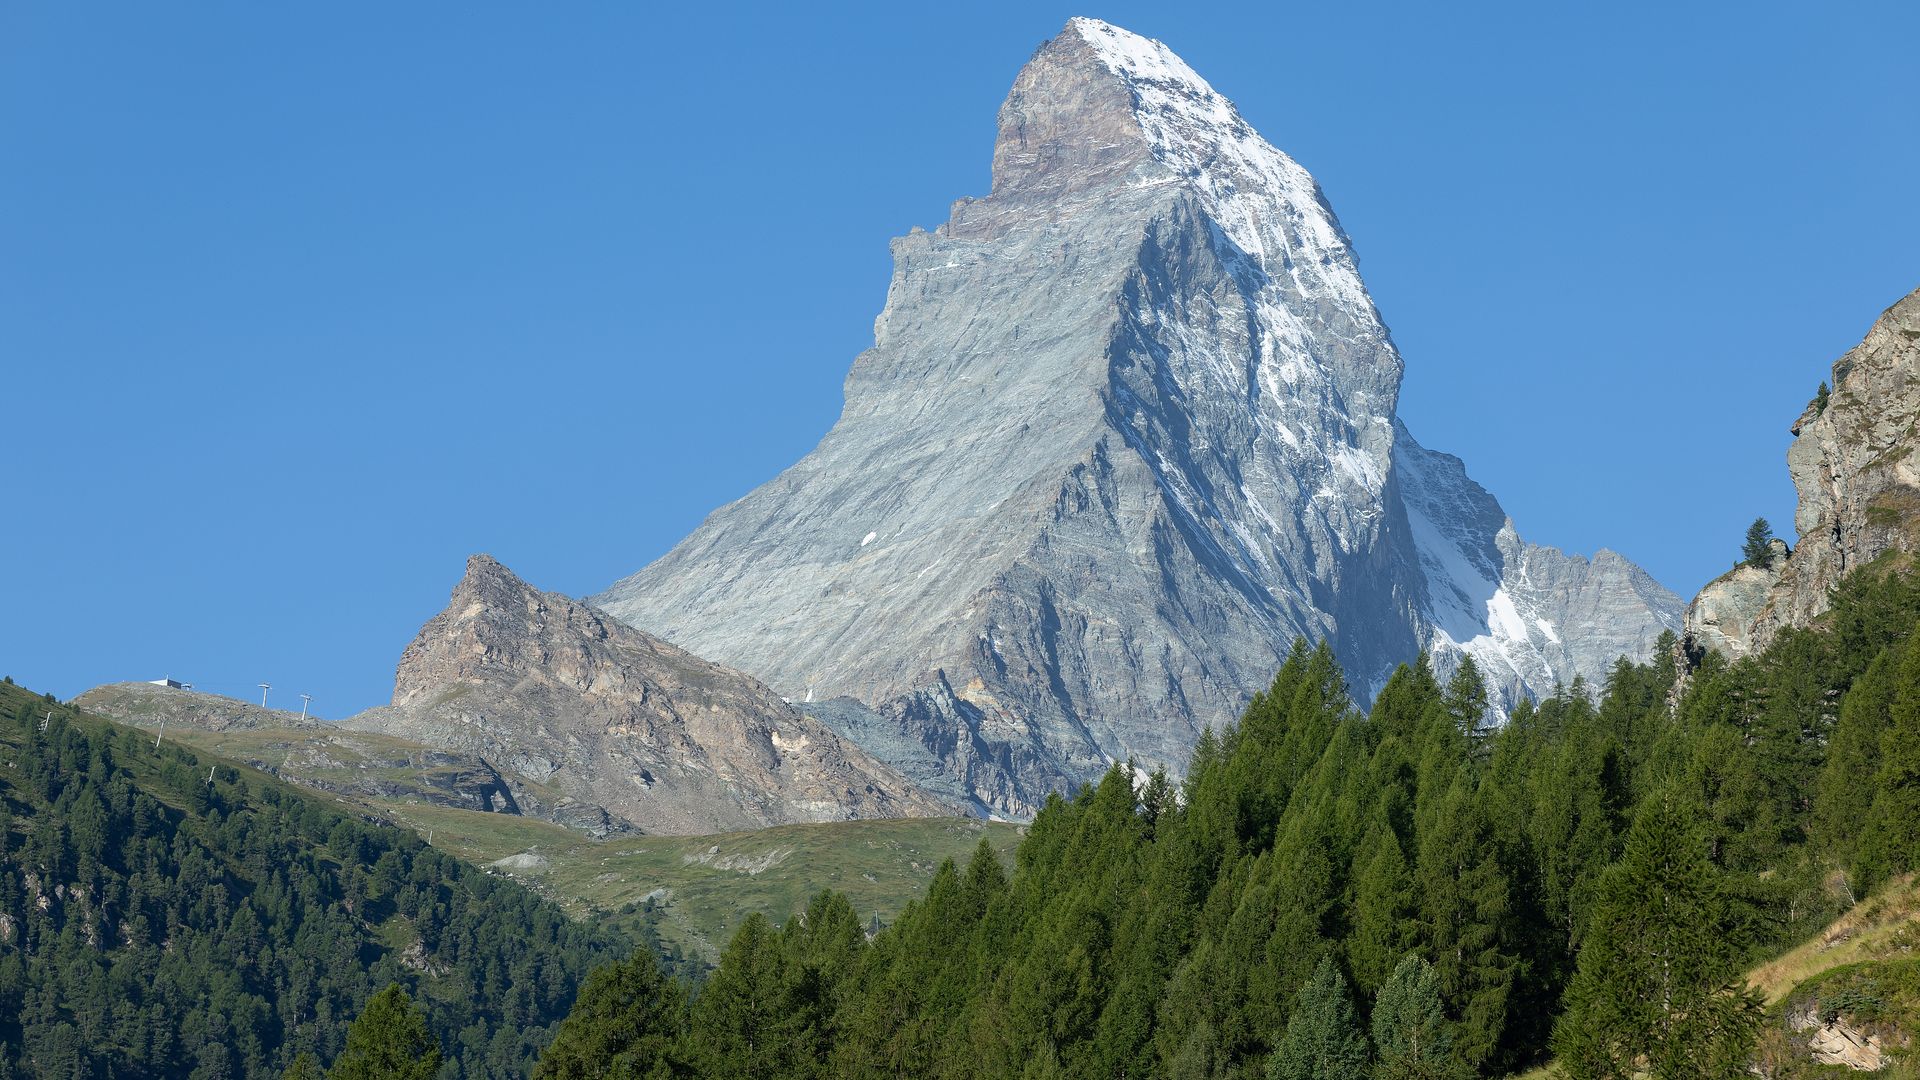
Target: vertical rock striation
1127	429
1853	465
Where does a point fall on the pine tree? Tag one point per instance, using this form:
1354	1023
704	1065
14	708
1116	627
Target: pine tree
1466	698
740	1019
1384	910
389	1041
1323	1040
1466	917
1892	843
625	1025
1410	1036
1843	802
1758	550
1657	989
304	1067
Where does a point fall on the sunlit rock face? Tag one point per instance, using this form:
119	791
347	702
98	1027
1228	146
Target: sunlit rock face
1853	465
602	715
1126	431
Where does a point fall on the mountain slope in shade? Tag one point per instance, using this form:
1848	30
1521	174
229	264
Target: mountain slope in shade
1127	429
546	688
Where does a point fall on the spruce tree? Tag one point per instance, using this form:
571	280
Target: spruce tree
1410	1036
1657	990
740	1020
625	1025
1323	1040
1466	917
1892	843
1844	794
1758	549
1384	910
1466	698
389	1041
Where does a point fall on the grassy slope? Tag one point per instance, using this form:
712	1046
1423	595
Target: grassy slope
332	759
879	865
1881	927
711	883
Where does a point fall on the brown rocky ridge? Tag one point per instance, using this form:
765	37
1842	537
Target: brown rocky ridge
554	692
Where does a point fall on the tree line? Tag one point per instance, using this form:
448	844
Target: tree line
1396	893
163	916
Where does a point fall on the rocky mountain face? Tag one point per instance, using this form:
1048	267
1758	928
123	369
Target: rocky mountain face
1126	431
1853	466
553	692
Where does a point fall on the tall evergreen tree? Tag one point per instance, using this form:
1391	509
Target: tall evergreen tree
1411	1040
1385	910
1843	804
1323	1040
389	1041
625	1025
1657	990
741	1021
1466	700
1466	907
1757	551
1892	844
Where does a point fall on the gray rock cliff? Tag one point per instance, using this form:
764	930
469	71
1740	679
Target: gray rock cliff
1853	466
1126	430
1722	616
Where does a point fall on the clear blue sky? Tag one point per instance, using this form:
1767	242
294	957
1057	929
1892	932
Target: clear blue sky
302	304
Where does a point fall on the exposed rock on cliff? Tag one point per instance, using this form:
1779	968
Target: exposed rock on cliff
557	693
1721	617
1858	480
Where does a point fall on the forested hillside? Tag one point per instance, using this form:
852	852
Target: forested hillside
1331	893
163	915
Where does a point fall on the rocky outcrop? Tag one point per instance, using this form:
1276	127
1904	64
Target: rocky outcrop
1831	1037
1722	616
609	716
1853	465
1126	431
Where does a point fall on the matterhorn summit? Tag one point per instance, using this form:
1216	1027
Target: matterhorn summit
1126	431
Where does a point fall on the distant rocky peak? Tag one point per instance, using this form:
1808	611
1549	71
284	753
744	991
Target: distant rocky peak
496	626
489	583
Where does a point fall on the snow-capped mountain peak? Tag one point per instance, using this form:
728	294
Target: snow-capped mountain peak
1128	429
